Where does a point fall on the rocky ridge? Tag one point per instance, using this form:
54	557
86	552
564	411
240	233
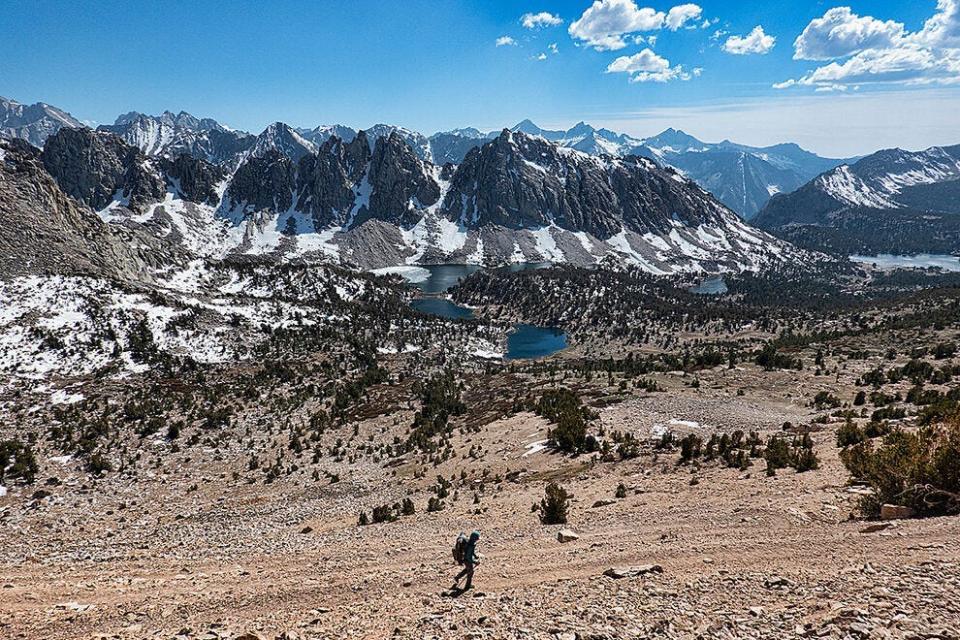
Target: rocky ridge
893	201
374	202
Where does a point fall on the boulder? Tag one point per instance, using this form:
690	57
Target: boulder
774	582
567	535
633	572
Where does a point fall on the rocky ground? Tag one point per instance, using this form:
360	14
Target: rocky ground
199	549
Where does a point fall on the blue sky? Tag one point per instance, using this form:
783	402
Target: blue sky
876	75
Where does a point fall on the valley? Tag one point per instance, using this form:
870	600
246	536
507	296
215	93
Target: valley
253	386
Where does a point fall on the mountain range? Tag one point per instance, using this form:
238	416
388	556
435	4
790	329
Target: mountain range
892	201
373	202
390	196
742	177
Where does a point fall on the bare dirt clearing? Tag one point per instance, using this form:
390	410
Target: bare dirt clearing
743	554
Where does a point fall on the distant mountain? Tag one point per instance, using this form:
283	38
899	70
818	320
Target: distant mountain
742	177
170	135
453	146
893	201
375	202
283	139
33	123
417	141
324	132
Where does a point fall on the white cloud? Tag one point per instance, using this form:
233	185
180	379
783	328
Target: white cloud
869	51
786	84
604	23
553	48
755	42
541	56
907	64
542	19
681	14
841	33
647	66
943	29
506	41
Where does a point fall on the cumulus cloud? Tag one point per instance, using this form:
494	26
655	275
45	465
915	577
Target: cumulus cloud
906	64
841	33
943	29
647	66
506	41
755	42
542	19
681	14
605	22
554	49
865	50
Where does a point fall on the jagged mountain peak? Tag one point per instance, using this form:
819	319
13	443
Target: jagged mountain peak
375	202
33	123
281	137
674	138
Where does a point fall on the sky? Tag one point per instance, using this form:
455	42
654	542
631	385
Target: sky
841	77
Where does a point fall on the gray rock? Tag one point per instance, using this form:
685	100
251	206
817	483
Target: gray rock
567	535
618	573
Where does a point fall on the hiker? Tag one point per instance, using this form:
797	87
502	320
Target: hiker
466	554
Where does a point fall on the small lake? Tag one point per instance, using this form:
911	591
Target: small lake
919	261
441	307
523	341
712	286
528	341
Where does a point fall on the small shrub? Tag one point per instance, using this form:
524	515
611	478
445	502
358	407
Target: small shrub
17	461
849	434
564	409
554	505
691	447
383	513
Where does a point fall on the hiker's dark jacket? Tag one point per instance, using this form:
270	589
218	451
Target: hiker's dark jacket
470	552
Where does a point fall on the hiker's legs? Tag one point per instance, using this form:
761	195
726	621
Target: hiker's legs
468	572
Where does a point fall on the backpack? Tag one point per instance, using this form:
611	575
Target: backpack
460	548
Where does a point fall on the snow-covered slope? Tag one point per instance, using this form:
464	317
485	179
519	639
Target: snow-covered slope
893	200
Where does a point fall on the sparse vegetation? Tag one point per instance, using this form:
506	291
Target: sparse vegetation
919	469
555	505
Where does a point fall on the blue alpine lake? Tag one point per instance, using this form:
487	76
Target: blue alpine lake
528	341
524	340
